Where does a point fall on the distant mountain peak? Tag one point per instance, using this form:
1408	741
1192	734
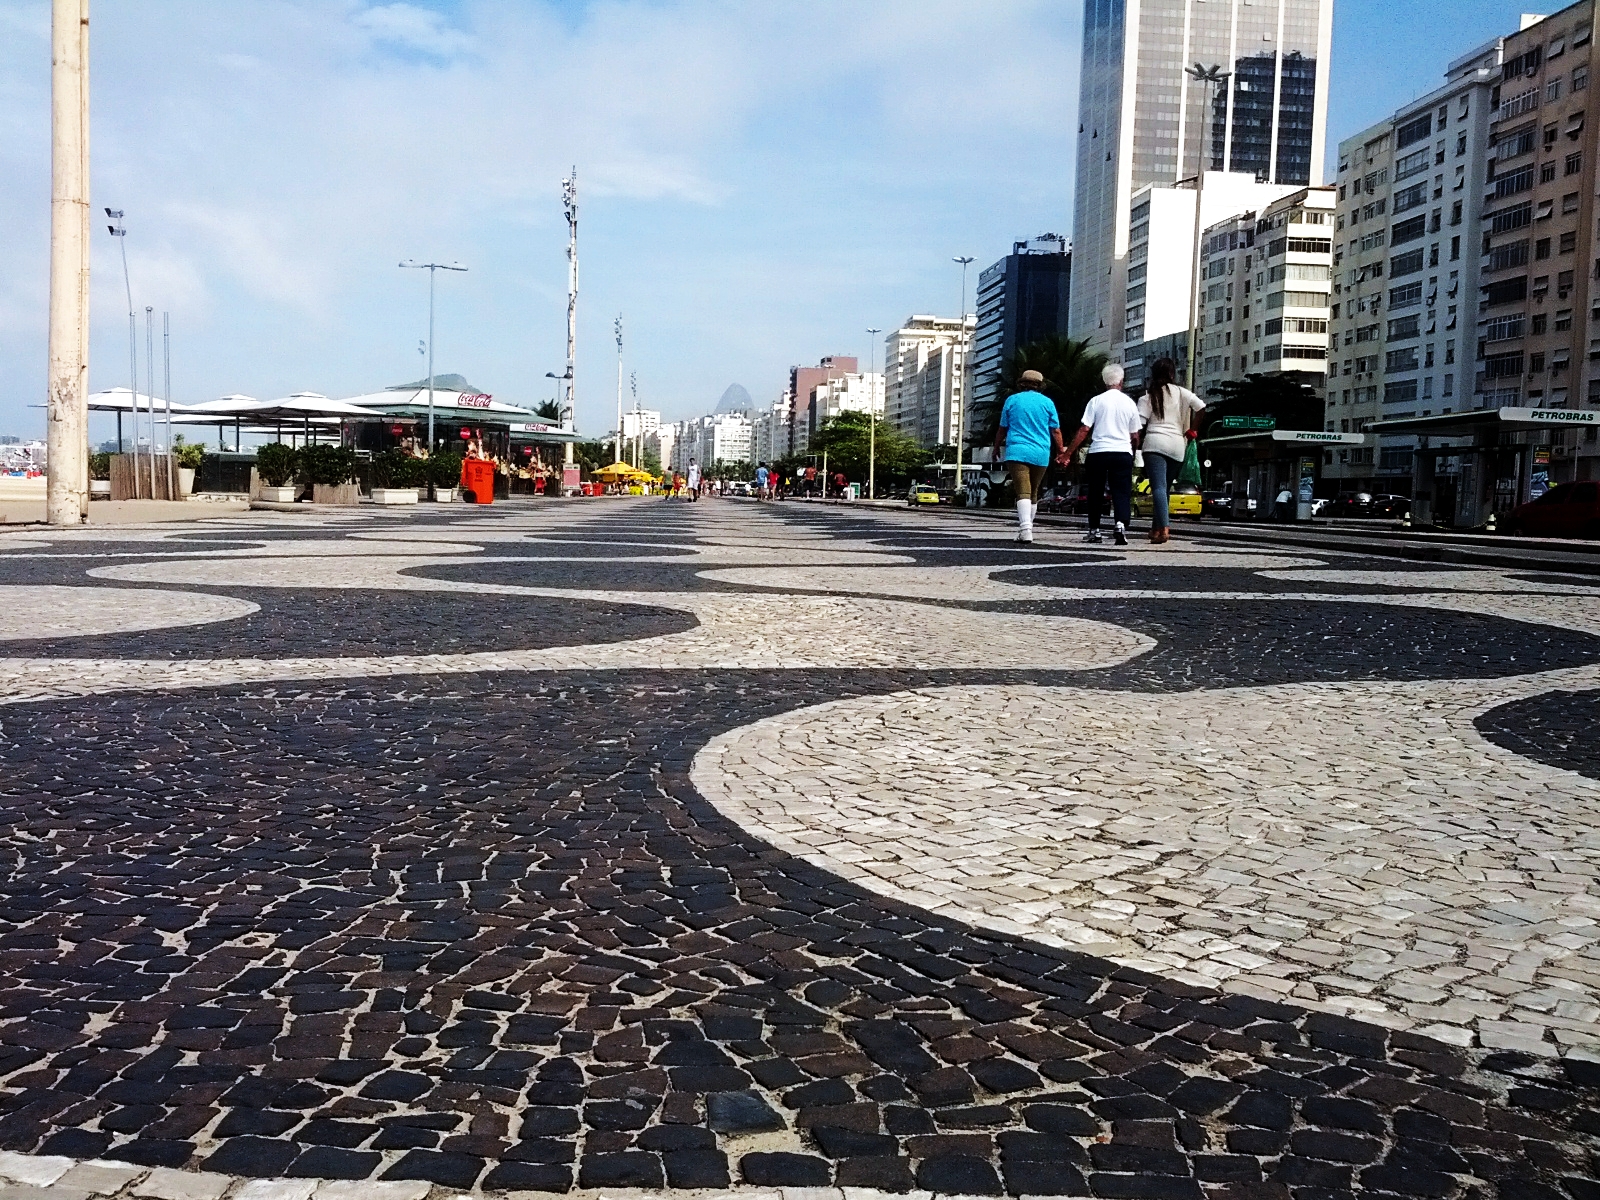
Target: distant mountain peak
735	400
441	383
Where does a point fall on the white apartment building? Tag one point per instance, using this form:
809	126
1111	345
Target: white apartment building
1266	281
925	377
769	431
858	392
1160	239
640	422
1409	228
662	442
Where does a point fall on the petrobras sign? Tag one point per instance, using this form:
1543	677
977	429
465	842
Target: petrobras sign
1316	435
474	400
1549	416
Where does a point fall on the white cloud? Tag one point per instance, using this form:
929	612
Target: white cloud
414	28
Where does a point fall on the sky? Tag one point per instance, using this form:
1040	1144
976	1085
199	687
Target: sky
759	183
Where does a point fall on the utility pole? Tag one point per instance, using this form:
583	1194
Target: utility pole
150	388
638	423
120	231
67	494
166	380
872	413
569	203
1211	77
960	385
619	387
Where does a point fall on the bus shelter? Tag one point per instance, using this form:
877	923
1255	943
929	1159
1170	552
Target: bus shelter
1273	467
1469	466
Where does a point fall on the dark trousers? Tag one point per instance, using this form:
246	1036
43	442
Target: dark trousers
1117	469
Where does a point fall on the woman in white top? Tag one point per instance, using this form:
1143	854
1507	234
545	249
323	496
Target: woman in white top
1168	411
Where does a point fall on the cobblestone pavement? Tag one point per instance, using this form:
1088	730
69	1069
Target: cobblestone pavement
623	847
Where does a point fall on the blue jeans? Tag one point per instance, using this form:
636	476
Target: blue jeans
1158	468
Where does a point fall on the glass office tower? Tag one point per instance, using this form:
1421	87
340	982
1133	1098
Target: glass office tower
1141	120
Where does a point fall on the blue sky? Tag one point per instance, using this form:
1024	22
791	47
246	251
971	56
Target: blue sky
760	182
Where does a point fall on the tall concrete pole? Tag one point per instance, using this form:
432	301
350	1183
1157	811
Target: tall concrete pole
569	203
67	492
960	384
619	387
1210	78
872	412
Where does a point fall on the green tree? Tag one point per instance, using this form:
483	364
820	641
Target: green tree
1288	398
847	441
550	410
1071	373
594	455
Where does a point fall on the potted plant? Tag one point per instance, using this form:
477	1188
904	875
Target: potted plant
395	477
189	455
331	471
444	472
100	476
276	465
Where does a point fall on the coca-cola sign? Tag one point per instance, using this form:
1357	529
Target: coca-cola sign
474	400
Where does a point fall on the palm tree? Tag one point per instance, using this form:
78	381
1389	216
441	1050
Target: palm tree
1071	373
1293	403
550	410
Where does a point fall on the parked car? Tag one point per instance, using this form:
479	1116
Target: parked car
741	488
1567	510
1391	506
1219	503
922	493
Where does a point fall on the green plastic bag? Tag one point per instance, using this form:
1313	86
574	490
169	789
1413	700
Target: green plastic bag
1190	475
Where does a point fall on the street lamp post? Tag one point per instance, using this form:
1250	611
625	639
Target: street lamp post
120	231
432	269
872	415
1211	77
961	385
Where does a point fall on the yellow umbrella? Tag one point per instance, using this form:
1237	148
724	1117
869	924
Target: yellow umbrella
616	470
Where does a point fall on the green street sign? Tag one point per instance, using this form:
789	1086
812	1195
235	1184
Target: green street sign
1247	422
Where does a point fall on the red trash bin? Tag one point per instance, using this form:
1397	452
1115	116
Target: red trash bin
477	478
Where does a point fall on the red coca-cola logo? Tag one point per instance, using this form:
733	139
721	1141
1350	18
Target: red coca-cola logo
474	399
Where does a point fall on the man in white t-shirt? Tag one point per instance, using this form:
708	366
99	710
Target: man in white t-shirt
1111	427
694	480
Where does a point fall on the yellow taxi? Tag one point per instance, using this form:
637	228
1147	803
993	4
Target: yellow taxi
1179	504
922	493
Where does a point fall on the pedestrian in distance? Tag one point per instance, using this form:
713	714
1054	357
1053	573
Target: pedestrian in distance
1026	440
694	480
761	481
1168	412
1111	427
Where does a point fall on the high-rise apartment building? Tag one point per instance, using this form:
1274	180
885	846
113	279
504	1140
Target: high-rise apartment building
802	380
1142	121
1408	234
1265	300
1538	300
1022	298
925	377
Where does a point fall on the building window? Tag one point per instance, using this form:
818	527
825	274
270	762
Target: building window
1563	320
1552	90
1580	78
1541	250
1574	163
1449	384
1569	241
1547	172
1401	360
1541	322
1535	363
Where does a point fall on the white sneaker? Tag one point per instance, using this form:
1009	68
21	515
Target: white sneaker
1025	535
1121	535
1093	536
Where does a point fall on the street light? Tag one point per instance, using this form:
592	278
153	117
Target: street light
431	268
961	393
120	231
1211	77
872	415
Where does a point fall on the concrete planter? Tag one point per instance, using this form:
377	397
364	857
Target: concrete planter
185	482
99	489
442	495
336	493
394	495
278	495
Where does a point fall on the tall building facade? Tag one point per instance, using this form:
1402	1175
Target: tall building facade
802	381
925	377
1539	294
1022	298
1142	121
1409	232
1266	280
